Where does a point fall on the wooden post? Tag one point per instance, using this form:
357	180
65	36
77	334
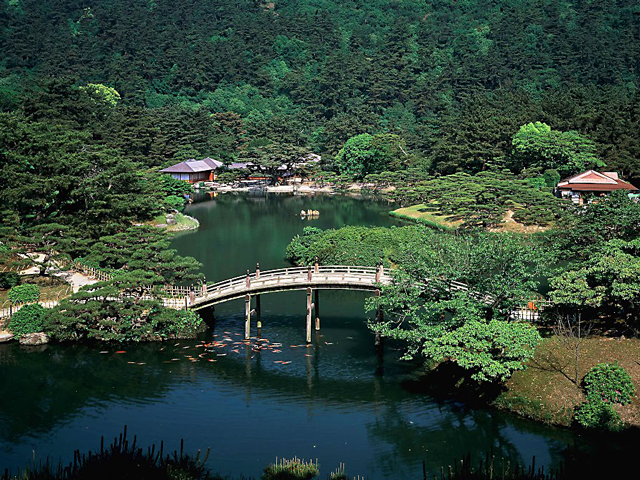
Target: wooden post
192	297
316	265
258	313
379	319
204	287
247	280
247	317
309	273
379	271
316	306
186	303
309	309
257	271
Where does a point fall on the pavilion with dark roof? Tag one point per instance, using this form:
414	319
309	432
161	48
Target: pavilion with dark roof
592	182
194	171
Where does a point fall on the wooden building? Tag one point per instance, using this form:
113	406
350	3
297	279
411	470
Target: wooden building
591	183
194	171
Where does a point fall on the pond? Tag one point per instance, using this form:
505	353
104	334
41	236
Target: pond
334	401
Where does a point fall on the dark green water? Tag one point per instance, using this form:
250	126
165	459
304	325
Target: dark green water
333	402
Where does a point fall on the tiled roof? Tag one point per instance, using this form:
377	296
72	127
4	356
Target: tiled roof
193	166
592	181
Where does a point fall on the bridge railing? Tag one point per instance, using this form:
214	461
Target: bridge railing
291	273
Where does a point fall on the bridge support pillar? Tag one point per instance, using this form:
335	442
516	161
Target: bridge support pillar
379	319
309	312
247	317
258	311
316	304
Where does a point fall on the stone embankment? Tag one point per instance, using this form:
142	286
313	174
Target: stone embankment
301	189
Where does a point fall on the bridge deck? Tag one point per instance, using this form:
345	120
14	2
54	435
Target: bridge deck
295	278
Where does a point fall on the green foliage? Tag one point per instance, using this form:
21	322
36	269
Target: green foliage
608	282
597	414
455	81
47	243
79	184
170	323
175	202
172	186
26	293
348	245
605	384
268	159
551	178
294	469
490	351
610	383
96	314
610	218
143	248
480	200
470	327
99	93
228	177
29	319
9	279
370	154
537	147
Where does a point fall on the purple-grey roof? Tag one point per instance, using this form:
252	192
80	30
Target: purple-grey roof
239	165
214	163
193	166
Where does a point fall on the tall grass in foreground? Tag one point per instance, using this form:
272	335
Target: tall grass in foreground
294	469
124	460
490	469
121	460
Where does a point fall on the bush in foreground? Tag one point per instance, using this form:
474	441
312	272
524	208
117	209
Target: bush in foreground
610	383
27	320
605	384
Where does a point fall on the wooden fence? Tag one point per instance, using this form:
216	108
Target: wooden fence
91	271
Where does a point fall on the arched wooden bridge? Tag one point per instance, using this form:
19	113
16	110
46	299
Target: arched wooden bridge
297	278
311	279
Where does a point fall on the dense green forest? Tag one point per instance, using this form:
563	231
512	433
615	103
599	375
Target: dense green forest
455	79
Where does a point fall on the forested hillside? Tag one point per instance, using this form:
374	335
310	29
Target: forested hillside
454	78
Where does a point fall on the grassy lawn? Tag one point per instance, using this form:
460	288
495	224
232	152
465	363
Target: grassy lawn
420	214
547	390
184	222
426	214
50	287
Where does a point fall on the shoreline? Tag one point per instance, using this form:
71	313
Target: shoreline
296	189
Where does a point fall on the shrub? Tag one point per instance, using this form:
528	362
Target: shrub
24	293
9	279
595	413
172	186
228	177
610	383
175	202
169	323
27	320
294	469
